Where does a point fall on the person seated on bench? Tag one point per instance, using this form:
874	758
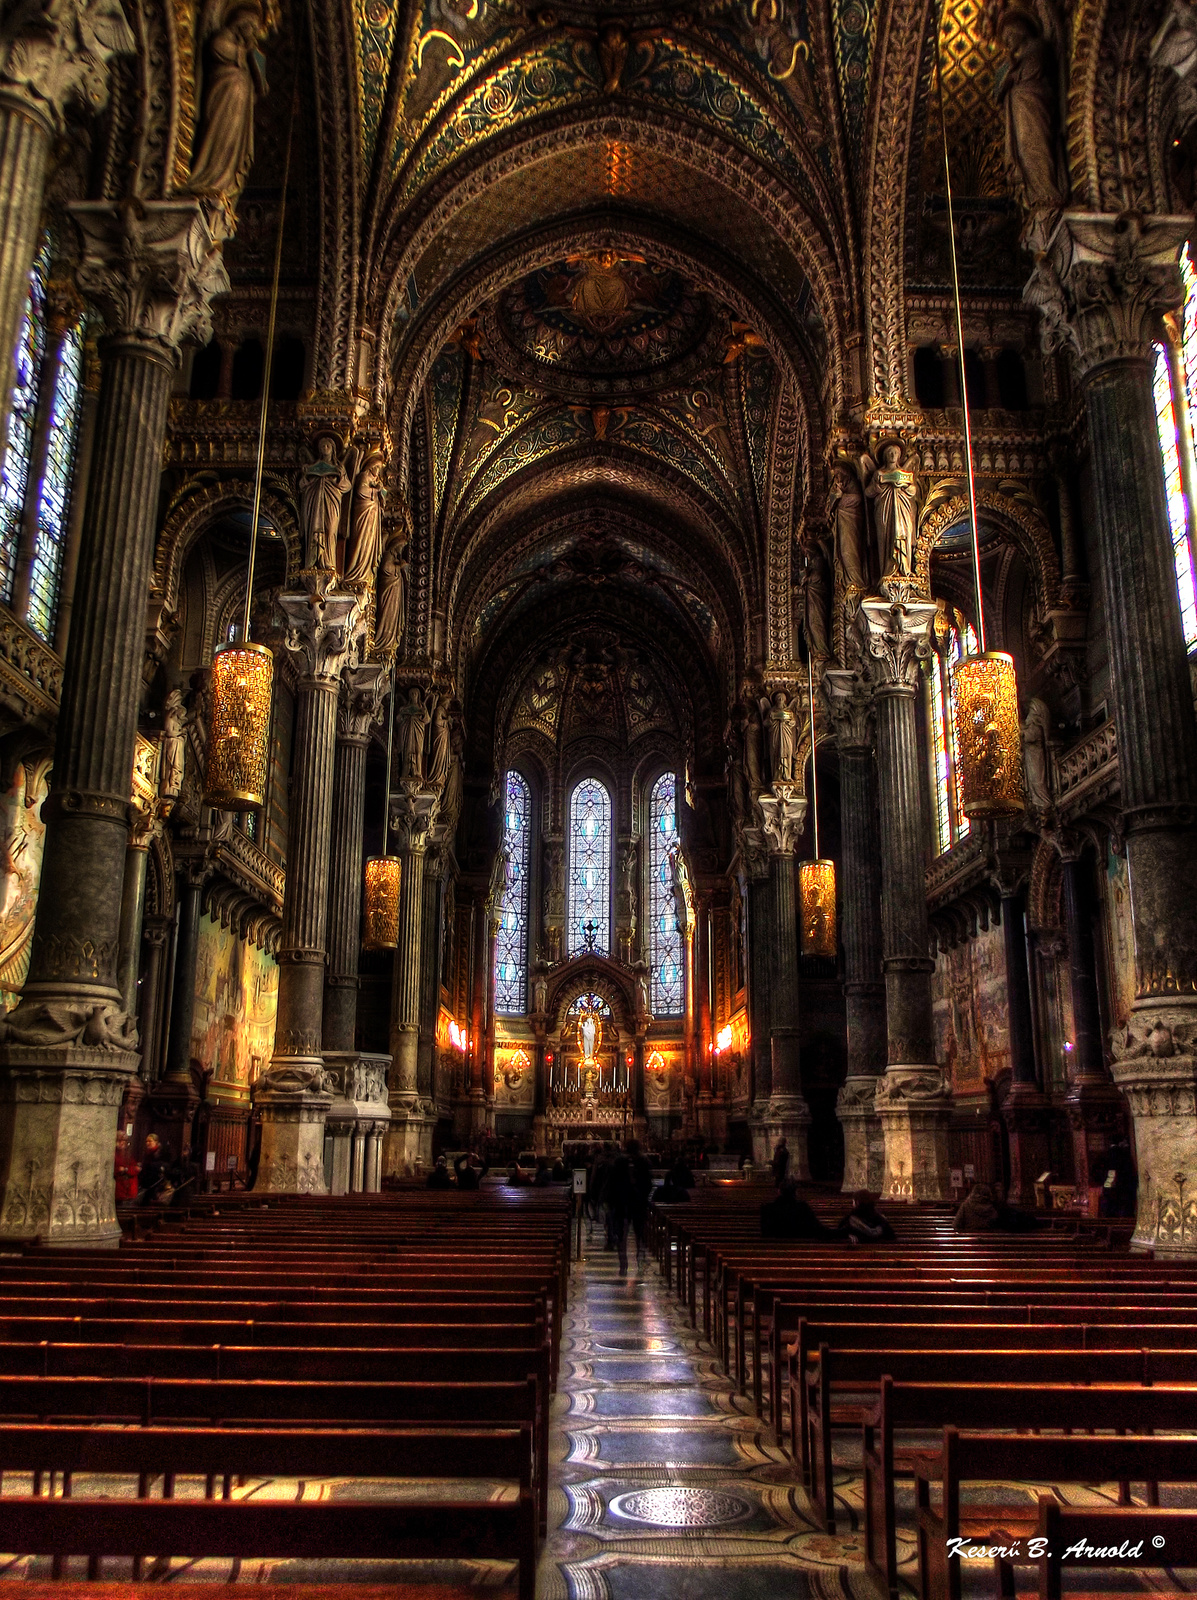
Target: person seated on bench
787	1217
560	1172
124	1170
981	1212
439	1177
517	1178
470	1171
155	1165
544	1173
864	1224
680	1174
671	1192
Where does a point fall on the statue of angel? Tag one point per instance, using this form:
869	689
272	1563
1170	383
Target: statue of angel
783	736
442	732
846	509
894	488
234	76
816	601
365	521
325	483
453	792
413	717
391	613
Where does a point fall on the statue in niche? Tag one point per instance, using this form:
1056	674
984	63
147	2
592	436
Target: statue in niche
783	736
737	786
441	742
846	508
413	717
750	727
451	796
174	745
816	601
365	523
235	75
325	485
390	616
1028	91
894	489
1036	756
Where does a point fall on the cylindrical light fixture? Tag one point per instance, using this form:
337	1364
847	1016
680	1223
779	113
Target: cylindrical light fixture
985	700
239	736
816	879
984	686
380	910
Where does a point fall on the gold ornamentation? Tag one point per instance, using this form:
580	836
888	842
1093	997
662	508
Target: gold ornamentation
381	911
239	743
985	694
817	885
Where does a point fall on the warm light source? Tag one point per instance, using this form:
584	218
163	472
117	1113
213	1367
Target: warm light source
817	883
380	908
723	1040
655	1062
985	698
239	737
458	1037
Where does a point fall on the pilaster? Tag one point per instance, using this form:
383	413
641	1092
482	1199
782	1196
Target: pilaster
412	816
788	1115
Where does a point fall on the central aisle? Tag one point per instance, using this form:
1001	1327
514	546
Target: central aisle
664	1487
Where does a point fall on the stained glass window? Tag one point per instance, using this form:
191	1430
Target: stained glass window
953	643
511	946
54	501
1174	440
589	869
18	449
666	955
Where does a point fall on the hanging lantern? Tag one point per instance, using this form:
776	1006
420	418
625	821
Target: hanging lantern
381	911
816	882
985	701
239	739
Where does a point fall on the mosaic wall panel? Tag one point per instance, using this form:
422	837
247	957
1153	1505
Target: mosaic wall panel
236	995
972	1018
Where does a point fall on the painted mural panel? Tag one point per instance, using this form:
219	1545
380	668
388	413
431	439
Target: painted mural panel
1122	939
972	1019
236	995
23	835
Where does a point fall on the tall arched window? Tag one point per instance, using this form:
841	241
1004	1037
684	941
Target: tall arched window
22	415
665	952
589	869
1176	370
954	639
511	946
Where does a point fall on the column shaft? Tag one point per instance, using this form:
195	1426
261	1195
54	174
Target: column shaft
345	893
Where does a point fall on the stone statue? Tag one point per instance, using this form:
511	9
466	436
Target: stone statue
61	48
390	617
365	523
816	601
1036	756
540	995
174	745
737	786
846	507
325	485
451	796
441	753
413	717
234	72
1027	90
750	727
783	736
895	490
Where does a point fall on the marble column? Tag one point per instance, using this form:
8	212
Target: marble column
912	1099
760	924
1026	1112
47	60
69	1048
412	816
859	896
1102	286
788	1114
323	629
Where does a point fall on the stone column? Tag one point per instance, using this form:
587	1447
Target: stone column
760	923
912	1098
323	627
859	896
47	59
69	1048
173	1101
412	815
1102	287
788	1114
1027	1111
704	1018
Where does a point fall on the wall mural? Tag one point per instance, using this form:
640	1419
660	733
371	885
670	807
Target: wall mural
1122	939
972	1018
23	837
236	994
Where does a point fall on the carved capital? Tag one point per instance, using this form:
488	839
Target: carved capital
324	628
1103	283
754	851
898	639
55	51
363	693
413	813
784	814
850	703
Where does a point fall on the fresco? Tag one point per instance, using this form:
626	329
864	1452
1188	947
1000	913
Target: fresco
972	1020
1121	939
23	836
236	994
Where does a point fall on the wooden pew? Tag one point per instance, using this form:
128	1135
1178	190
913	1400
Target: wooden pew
1168	1538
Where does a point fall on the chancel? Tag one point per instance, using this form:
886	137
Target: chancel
598	658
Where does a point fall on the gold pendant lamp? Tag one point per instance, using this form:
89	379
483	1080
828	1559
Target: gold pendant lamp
384	873
816	879
984	685
242	685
